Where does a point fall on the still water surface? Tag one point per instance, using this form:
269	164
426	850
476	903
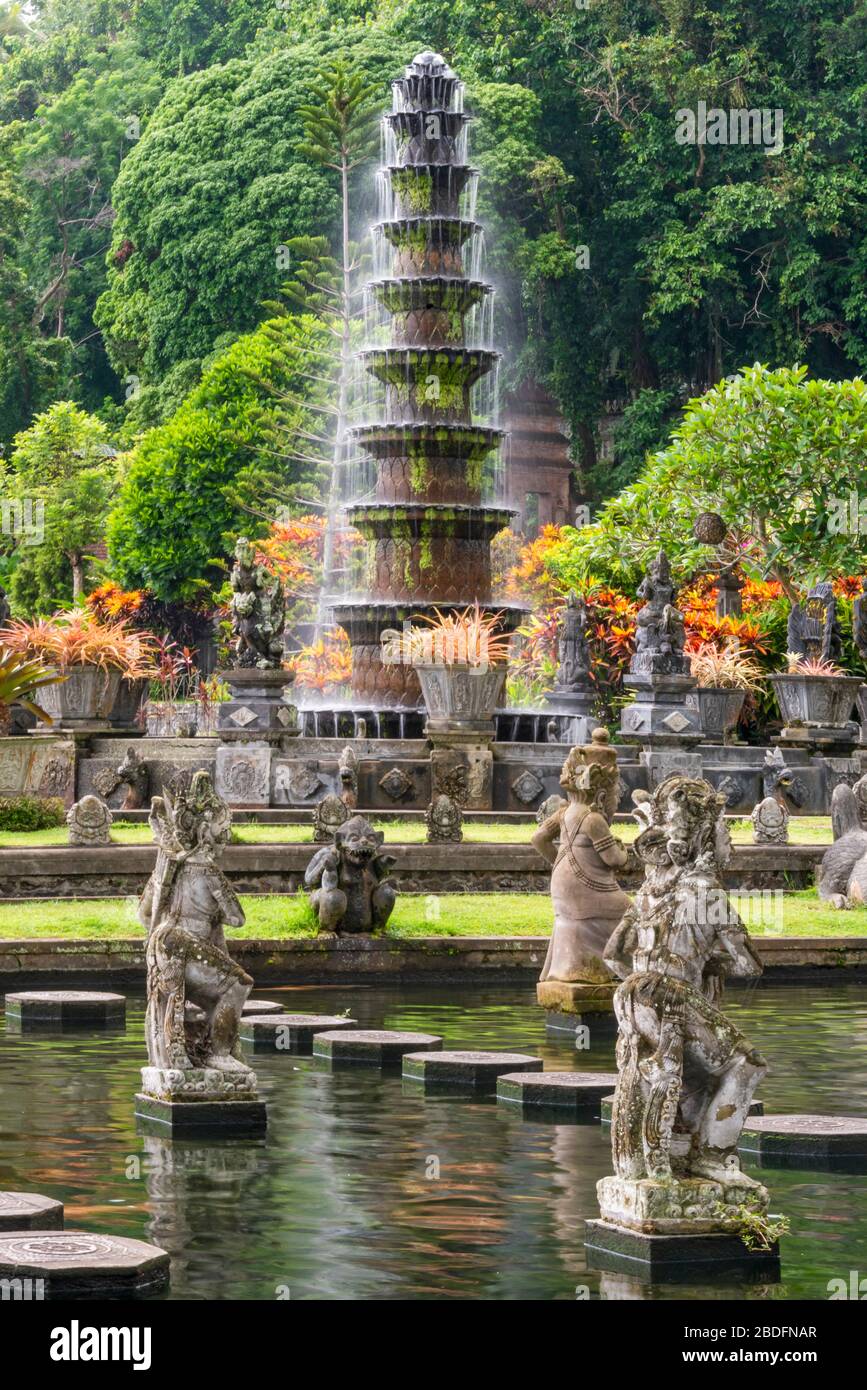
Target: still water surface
336	1203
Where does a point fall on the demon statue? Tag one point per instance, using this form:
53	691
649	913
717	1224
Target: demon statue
351	890
770	817
660	633
686	1075
89	822
588	902
258	610
859	621
196	992
843	872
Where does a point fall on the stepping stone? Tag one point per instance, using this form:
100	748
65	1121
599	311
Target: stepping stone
64	1007
371	1047
465	1071
807	1141
292	1033
757	1107
261	1006
567	1092
28	1211
75	1262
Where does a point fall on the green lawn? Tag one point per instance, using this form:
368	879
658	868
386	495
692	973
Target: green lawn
807	830
449	914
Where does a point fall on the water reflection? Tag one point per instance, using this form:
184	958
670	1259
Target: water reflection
363	1189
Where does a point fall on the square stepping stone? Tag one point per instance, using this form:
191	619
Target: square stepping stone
261	1006
64	1008
371	1047
290	1033
29	1211
70	1263
807	1141
556	1093
465	1071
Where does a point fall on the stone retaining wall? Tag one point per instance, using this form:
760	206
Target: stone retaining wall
459	960
122	870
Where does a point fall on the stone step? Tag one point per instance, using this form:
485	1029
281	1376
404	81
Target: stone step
30	1211
370	1046
566	1092
64	1007
467	1071
77	1262
290	1033
807	1141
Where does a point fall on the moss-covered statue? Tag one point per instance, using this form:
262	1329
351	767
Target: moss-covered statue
686	1074
195	990
258	611
588	901
350	890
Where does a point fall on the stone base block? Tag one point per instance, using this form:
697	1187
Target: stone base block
29	1211
677	1259
65	1008
260	1007
576	997
465	1071
371	1047
556	1094
829	1142
70	1264
290	1033
182	1119
675	1206
243	774
196	1085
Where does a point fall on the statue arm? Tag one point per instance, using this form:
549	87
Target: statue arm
610	850
231	911
740	960
545	838
318	864
621	945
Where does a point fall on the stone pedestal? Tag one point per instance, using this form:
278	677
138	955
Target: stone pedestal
660	716
200	1100
678	1258
250	726
575	997
662	762
462	768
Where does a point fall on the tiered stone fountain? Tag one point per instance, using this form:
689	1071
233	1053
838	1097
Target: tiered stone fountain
426	528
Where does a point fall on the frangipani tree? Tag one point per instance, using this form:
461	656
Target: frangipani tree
781	458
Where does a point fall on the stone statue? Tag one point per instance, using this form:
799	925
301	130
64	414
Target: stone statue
859	621
89	822
588	902
258	611
843	871
813	632
550	807
352	892
185	906
660	632
347	770
770	817
131	773
573	649
444	819
5	609
328	815
686	1074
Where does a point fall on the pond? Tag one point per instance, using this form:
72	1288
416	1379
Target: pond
339	1201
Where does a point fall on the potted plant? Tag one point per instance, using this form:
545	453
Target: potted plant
815	693
20	679
725	678
92	656
460	659
173	708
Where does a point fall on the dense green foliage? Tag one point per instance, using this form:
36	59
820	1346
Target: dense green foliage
22	813
197	481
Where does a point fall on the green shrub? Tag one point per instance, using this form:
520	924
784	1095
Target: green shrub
31	812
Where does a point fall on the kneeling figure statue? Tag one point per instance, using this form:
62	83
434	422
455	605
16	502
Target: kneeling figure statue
352	892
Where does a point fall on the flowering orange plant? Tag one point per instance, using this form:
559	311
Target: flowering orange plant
110	603
325	665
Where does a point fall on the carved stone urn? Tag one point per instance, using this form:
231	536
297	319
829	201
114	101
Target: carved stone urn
461	697
84	699
817	707
718	708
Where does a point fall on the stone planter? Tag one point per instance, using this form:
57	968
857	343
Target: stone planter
862	712
171	718
87	697
460	697
127	703
816	701
718	709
